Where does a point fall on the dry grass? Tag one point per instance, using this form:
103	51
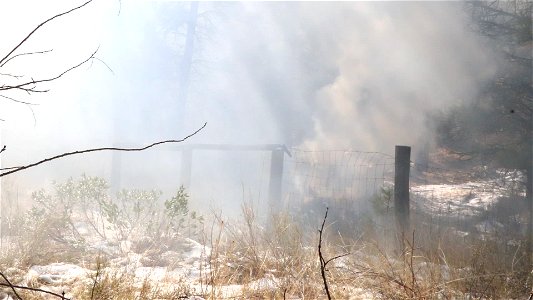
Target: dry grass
452	269
247	259
281	261
271	262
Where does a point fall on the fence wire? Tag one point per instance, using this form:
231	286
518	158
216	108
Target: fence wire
342	178
474	201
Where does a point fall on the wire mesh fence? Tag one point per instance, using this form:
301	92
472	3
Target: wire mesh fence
341	176
353	184
474	201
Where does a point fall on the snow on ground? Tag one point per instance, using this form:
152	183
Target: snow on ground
186	271
468	198
55	277
56	273
183	266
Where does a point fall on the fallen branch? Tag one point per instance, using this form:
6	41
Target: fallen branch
11	170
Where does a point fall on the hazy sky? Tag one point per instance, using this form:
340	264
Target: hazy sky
317	75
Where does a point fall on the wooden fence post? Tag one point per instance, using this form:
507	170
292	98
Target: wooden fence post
401	186
276	175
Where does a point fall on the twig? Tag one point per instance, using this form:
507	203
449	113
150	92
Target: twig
96	276
11	75
9	285
411	266
18	169
18	101
13	287
26	53
104	63
3	60
27	86
323	262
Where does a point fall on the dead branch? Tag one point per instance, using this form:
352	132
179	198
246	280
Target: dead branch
323	262
11	75
7	57
11	170
9	285
26	53
18	101
30	86
13	287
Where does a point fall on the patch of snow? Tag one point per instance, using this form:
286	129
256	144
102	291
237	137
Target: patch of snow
105	247
56	277
468	198
56	273
155	274
130	261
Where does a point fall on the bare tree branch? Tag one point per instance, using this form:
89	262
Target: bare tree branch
11	75
338	256
30	86
37	28
103	62
13	287
11	170
10	285
18	101
324	262
26	53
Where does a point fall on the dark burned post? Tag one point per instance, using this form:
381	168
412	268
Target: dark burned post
401	186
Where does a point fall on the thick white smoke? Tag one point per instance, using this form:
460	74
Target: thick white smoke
320	75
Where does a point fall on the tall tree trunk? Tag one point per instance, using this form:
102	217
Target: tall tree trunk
184	72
